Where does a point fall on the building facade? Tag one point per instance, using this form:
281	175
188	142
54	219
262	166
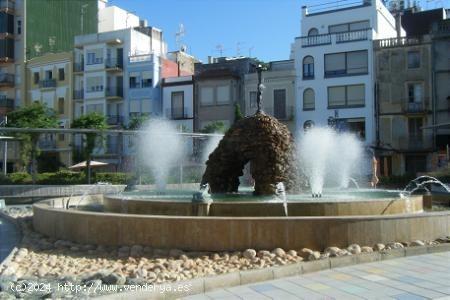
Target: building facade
49	81
278	93
404	105
334	69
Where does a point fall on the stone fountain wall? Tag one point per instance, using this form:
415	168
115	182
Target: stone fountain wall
264	142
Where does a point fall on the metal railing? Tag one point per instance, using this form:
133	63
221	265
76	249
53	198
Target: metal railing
113	63
415	142
329	6
114	91
114	119
6	5
47	144
284	115
6	79
78	67
338	37
47	83
78	94
140	58
416	106
178	113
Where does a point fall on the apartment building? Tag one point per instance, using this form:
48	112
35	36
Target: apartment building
49	81
278	93
219	86
404	106
334	69
178	101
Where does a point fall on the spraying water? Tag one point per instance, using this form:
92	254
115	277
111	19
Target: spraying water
326	155
160	147
211	145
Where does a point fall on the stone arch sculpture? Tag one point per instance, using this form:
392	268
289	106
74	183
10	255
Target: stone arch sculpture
264	142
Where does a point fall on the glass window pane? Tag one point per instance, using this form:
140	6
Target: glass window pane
335	64
338	28
223	94
336	96
355	95
308	99
206	95
253	101
359	25
357	62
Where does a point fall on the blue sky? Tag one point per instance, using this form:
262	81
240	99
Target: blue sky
262	28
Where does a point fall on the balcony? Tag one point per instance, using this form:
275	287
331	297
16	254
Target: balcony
114	92
113	64
114	120
6	103
179	113
397	42
78	95
7	6
335	38
78	67
415	142
47	84
415	107
282	115
6	80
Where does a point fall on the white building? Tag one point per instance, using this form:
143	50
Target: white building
334	65
178	101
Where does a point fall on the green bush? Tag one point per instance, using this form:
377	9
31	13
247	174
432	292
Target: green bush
113	178
20	178
61	177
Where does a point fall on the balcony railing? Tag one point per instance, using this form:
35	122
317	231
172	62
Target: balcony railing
335	38
179	113
6	79
78	95
113	63
415	107
47	83
114	119
114	91
6	102
284	115
7	5
415	142
78	67
397	42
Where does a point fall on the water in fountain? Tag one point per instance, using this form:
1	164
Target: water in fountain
281	194
160	147
211	145
421	182
326	155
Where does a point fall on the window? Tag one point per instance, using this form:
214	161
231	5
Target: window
354	125
95	57
48	75
415	93
308	99
253	99
361	25
223	94
135	81
308	125
147	79
94	84
413	59
36	77
206	95
346	96
177	105
98	108
313	31
347	63
61	75
308	67
61	105
19	26
279	104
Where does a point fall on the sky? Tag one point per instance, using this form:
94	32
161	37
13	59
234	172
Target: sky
259	28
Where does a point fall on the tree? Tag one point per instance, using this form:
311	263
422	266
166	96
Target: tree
214	127
36	115
92	120
237	113
137	122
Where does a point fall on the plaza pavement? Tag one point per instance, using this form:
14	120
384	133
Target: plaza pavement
9	237
410	278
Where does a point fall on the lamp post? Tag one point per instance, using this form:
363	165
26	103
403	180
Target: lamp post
259	69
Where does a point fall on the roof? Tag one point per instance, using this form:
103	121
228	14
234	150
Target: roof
420	23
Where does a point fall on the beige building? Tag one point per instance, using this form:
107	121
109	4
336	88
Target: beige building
404	105
49	80
278	93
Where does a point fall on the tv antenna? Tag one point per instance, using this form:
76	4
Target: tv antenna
179	35
250	51
239	48
220	49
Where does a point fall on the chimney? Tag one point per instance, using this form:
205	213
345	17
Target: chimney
143	23
304	11
398	23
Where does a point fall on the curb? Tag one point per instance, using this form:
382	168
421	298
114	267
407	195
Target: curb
206	284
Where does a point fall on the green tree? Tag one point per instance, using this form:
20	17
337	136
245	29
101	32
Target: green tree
137	122
36	115
214	127
89	121
237	113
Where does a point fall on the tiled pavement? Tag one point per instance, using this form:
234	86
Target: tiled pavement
411	278
9	237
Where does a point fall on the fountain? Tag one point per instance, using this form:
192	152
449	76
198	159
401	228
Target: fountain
277	212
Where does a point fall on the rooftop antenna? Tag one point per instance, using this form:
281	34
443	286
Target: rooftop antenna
250	51
220	49
179	35
239	48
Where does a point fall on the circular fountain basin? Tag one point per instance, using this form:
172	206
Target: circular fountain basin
244	204
227	233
